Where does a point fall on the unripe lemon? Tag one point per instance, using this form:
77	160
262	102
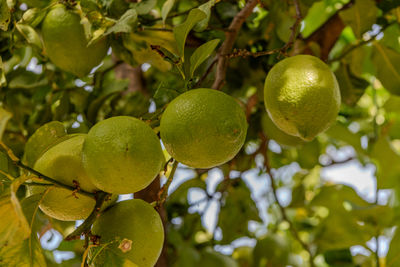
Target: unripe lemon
63	162
66	44
136	229
273	132
302	96
203	128
122	155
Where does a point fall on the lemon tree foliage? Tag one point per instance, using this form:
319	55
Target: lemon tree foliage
223	117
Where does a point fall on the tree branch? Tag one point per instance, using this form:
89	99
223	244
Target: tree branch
163	193
84	228
294	29
227	45
17	162
264	150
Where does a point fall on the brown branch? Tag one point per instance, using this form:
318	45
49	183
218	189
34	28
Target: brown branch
293	34
264	151
84	228
227	45
17	162
163	193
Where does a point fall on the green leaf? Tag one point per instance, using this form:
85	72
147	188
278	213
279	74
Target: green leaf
179	196
5	15
45	137
4	118
386	159
3	81
166	8
393	255
33	16
29	34
391	37
206	8
351	87
14	228
181	31
272	250
144	6
239	207
28	252
339	258
340	132
340	229
360	17
127	23
387	64
26	80
201	54
104	256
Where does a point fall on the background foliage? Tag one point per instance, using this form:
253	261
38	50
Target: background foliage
173	47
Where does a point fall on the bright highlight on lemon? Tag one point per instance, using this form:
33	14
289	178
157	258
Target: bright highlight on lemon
302	96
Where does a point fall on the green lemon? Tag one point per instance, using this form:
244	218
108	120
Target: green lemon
122	155
203	128
134	231
63	162
302	96
66	44
273	132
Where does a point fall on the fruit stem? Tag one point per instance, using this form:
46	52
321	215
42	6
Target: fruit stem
163	193
17	162
84	228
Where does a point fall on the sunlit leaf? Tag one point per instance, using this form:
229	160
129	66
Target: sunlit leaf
166	8
361	16
181	31
201	54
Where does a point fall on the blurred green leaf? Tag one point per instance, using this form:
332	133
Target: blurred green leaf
387	64
360	17
206	8
30	35
386	158
3	81
5	116
272	250
339	258
127	22
166	8
393	255
144	6
181	31
5	15
351	87
238	207
201	54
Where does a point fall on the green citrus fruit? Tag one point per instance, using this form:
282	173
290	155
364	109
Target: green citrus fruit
302	96
203	128
63	162
122	155
215	259
66	44
273	132
134	231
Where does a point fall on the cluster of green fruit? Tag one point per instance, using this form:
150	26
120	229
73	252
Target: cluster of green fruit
201	128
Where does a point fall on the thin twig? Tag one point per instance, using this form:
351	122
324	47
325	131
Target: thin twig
208	71
17	162
84	228
282	50
267	166
359	44
163	193
227	45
